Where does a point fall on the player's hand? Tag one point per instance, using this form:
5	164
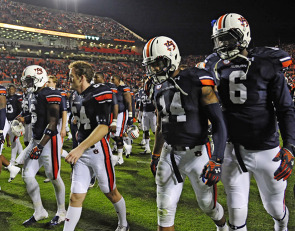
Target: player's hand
2	138
74	155
113	126
287	161
211	173
130	121
36	152
154	163
63	133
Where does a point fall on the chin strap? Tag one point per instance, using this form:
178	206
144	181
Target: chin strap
178	87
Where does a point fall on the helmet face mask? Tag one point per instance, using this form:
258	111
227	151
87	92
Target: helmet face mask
231	35
161	58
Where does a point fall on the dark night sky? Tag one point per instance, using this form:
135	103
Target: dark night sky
188	21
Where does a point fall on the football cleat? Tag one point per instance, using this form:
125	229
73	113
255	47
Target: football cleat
57	220
32	220
123	228
142	142
92	182
13	172
147	150
47	180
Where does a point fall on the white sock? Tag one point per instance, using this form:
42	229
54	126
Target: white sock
72	218
120	208
147	142
120	152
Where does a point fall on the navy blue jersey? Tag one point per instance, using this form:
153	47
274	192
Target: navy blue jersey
120	97
114	90
63	104
3	91
13	106
254	93
184	121
26	107
147	103
91	109
39	109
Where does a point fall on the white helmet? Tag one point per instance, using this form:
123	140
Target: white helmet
33	77
17	128
160	53
231	35
133	132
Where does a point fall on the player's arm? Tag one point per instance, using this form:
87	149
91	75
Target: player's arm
158	144
2	117
128	104
96	135
212	171
286	117
113	125
64	117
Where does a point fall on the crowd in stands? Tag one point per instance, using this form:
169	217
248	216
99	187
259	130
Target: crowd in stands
39	17
131	72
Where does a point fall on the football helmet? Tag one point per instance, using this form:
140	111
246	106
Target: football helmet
33	77
161	58
230	35
17	128
133	132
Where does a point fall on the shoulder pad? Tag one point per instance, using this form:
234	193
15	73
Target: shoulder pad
274	54
203	76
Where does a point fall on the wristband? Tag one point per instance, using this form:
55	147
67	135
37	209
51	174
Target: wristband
40	146
130	114
50	132
156	155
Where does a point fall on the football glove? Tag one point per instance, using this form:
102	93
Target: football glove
2	138
154	163
130	121
287	161
211	173
36	152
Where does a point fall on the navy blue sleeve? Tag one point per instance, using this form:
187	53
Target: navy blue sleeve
284	108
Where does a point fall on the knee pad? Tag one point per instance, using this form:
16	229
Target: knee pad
166	210
275	209
237	218
216	213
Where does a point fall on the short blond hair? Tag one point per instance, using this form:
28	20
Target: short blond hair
83	68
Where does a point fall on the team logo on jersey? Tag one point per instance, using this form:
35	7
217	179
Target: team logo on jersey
243	21
226	62
170	45
159	86
95	151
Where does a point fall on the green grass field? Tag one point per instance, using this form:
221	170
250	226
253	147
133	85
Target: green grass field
136	183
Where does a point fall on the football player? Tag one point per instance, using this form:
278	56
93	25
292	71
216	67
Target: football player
93	154
27	116
254	96
125	115
4	126
44	148
13	110
148	119
185	100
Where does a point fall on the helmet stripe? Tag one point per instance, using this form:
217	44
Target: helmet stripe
220	21
148	47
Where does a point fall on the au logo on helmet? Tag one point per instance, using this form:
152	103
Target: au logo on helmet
243	21
170	45
39	71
